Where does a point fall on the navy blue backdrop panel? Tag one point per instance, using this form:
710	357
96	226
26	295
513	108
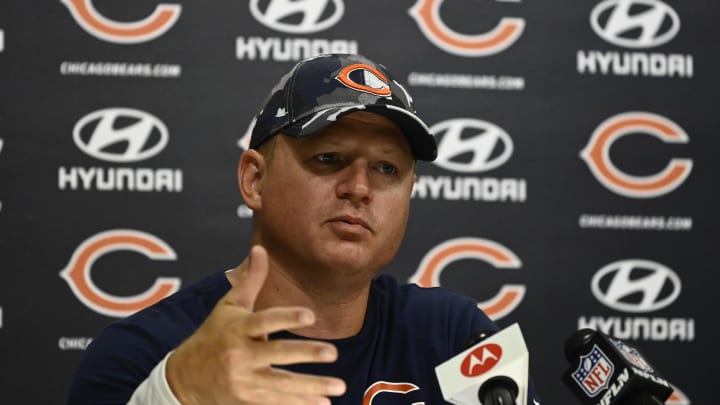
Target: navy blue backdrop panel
576	182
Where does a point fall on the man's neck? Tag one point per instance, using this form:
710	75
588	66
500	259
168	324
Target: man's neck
339	306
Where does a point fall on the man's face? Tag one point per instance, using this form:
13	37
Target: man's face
338	201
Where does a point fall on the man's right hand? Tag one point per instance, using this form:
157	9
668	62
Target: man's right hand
229	359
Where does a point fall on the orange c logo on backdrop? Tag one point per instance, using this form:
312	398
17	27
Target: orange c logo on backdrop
77	273
153	26
435	261
597	155
427	15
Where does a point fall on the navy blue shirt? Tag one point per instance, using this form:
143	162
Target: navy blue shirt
407	331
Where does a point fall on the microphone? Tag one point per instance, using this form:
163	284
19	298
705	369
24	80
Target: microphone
607	371
492	371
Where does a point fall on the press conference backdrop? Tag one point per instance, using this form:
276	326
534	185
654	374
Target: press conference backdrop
576	184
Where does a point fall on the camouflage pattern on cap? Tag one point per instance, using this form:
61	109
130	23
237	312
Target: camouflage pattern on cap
320	90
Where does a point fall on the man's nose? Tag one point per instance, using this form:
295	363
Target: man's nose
355	183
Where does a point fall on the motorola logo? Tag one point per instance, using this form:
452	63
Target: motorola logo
282	15
636	286
481	360
470	145
635	23
120	135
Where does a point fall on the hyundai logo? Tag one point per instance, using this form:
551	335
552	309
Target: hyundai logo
470	145
316	15
120	135
636	285
635	23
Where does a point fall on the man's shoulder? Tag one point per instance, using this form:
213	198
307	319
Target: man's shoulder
171	319
188	307
125	351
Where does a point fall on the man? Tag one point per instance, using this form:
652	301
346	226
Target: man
304	318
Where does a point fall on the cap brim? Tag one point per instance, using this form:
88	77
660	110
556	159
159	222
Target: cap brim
418	135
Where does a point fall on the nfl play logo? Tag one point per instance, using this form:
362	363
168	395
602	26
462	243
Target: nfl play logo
632	355
594	372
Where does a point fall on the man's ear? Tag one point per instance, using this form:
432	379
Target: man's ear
251	169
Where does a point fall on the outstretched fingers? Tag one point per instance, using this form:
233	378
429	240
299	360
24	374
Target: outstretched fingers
287	351
276	319
301	384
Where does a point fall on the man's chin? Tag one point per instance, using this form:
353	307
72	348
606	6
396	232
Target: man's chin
351	257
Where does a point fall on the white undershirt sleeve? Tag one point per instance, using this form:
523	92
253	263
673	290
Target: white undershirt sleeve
155	390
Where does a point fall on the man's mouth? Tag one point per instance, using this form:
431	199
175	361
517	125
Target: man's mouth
351	220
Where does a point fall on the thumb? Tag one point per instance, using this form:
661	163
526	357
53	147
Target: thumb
246	289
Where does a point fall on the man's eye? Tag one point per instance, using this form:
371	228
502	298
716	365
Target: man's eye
387	169
327	158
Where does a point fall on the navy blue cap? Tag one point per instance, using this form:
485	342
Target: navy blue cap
320	90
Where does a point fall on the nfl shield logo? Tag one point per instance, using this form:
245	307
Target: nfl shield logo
594	372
